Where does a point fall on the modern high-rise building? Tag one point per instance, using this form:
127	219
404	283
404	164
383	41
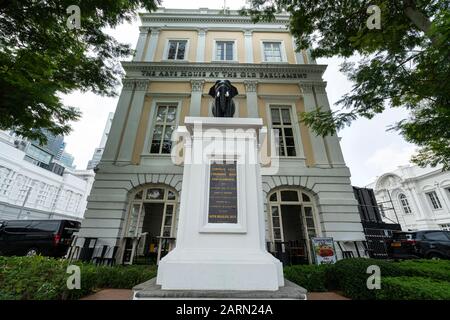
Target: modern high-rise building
134	203
97	156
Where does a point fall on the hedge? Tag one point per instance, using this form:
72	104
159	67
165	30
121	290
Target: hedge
433	269
413	288
41	278
311	277
350	277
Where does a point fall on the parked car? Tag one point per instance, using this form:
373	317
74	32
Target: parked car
420	244
30	237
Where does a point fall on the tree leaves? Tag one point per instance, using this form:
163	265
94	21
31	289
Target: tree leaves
405	64
40	59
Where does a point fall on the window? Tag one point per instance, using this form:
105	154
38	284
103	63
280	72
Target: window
272	51
435	202
445	226
405	204
225	50
40	155
281	121
164	126
177	50
437	236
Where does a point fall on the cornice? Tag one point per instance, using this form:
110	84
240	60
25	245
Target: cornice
242	71
205	18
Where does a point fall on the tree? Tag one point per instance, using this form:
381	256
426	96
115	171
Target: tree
42	56
406	63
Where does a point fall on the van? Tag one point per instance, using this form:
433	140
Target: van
30	237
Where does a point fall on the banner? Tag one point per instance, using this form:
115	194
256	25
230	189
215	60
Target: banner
323	249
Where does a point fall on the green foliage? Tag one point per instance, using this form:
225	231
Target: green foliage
350	276
413	288
404	64
433	269
41	278
311	277
41	58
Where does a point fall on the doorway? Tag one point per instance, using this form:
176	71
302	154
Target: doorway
151	226
293	224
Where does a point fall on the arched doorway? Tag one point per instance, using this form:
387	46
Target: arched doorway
292	225
151	223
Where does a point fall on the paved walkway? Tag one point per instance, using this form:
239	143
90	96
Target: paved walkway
124	294
111	294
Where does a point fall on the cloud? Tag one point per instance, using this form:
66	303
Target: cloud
388	158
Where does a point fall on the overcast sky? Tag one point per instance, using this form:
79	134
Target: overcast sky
368	148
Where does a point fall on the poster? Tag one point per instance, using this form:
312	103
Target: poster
323	250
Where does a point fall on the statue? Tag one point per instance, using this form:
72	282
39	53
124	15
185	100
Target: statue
223	93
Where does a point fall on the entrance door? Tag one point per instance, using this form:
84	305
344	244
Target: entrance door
151	225
293	226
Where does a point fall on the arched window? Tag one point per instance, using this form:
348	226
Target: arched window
405	204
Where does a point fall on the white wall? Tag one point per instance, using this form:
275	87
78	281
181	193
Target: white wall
415	183
50	196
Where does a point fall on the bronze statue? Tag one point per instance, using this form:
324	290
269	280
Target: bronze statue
223	93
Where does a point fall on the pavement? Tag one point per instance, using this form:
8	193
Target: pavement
124	294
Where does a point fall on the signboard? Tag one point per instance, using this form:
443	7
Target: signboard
222	193
323	250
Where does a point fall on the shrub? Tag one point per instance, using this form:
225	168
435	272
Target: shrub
434	269
39	278
311	277
350	276
413	288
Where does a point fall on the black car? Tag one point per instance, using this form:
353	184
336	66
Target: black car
420	244
29	237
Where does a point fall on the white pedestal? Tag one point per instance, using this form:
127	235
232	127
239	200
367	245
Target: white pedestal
220	256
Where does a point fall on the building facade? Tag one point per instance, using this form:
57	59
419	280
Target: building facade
97	156
416	198
29	191
180	54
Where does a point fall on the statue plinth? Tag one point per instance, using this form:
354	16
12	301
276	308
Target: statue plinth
221	228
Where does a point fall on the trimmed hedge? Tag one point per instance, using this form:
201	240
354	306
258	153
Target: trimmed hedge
433	269
311	277
350	277
42	278
413	288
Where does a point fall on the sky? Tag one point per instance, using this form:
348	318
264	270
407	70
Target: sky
369	150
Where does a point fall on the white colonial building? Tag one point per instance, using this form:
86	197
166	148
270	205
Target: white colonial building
416	198
28	191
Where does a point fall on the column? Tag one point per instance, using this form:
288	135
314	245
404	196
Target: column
252	98
134	112
310	58
152	44
298	54
248	42
201	44
318	144
332	141
196	97
112	144
138	55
